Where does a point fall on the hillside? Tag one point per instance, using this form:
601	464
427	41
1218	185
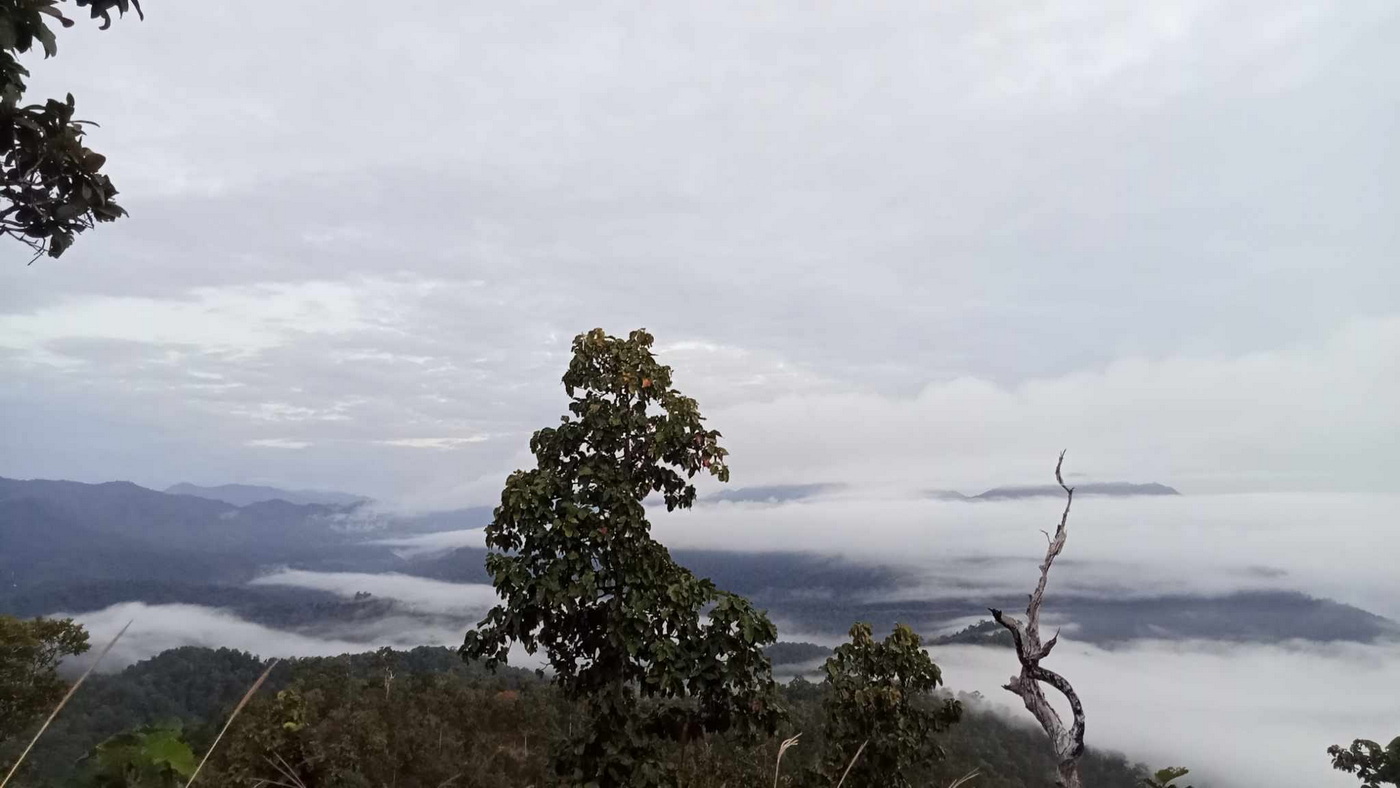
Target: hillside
197	687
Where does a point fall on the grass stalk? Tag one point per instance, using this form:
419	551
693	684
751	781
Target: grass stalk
247	696
62	703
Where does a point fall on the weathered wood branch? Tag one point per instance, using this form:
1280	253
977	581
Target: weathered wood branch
1067	742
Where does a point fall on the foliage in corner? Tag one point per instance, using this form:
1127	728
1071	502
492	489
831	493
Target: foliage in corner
880	696
29	655
150	757
623	625
1374	765
51	184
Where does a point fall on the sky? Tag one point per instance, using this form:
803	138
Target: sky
891	244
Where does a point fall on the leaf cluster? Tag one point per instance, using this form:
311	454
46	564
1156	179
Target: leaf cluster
51	184
879	698
1373	764
150	757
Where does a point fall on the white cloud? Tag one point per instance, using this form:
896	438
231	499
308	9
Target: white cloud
1322	544
1237	716
278	443
439	542
418	593
434	443
1311	416
157	628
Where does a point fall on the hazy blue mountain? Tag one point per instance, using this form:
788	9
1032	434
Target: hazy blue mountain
773	493
1011	492
73	547
245	494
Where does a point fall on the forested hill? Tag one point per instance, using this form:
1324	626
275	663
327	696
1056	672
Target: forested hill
422	716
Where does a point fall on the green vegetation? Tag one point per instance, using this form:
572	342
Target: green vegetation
1374	765
149	757
878	703
420	717
30	652
1166	778
51	184
652	652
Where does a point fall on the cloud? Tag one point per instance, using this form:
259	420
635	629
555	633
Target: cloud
434	443
157	628
1321	544
278	443
808	207
1237	716
417	593
435	543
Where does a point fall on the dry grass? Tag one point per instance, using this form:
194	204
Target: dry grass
62	703
247	696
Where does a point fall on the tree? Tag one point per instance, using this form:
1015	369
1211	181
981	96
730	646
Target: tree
1166	778
29	655
580	576
150	757
879	704
1368	761
1067	742
51	185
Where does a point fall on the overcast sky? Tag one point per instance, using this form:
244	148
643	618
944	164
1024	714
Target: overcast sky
919	244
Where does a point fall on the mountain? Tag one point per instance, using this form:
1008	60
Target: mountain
70	547
773	493
1013	492
245	494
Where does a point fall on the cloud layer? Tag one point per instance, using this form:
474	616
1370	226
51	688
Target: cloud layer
964	238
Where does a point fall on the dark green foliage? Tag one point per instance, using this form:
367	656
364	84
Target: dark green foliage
622	624
51	184
441	716
879	695
149	757
1166	778
30	652
1374	765
983	633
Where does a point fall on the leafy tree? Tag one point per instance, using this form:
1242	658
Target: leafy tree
879	697
1166	778
623	625
51	184
1368	761
150	757
29	655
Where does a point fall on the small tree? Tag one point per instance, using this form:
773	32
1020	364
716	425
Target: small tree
1030	650
51	185
30	652
1368	761
580	576
879	699
1166	778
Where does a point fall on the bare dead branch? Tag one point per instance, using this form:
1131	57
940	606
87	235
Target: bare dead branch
1068	743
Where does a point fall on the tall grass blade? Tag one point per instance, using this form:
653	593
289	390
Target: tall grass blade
852	763
62	703
783	748
247	696
965	779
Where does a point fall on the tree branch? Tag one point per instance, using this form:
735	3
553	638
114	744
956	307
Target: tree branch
1068	744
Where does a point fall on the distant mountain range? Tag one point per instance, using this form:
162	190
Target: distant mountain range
1112	489
245	494
71	547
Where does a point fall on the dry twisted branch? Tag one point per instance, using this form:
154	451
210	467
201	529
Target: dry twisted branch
1068	743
